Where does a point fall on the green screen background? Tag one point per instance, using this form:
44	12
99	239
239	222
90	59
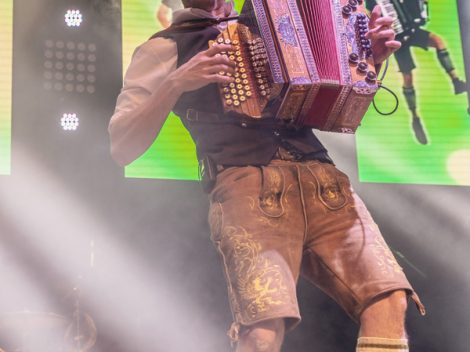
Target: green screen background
6	39
387	150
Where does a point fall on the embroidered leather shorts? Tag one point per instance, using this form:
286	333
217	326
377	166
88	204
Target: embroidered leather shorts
272	223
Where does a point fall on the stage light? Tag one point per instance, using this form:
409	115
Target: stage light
69	122
73	18
70	66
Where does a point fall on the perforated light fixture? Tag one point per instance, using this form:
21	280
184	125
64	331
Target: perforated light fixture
69	122
70	66
73	18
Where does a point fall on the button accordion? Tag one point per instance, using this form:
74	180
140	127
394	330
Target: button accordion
407	15
304	63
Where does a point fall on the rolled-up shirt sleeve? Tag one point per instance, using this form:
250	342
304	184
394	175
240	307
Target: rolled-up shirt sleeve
150	64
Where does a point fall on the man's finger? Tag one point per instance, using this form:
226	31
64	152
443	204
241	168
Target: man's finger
375	15
218	48
221	59
216	78
388	34
393	44
221	68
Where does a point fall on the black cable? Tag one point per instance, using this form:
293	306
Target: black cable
397	101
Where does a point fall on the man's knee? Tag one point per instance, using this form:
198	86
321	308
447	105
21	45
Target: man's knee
264	336
386	316
394	303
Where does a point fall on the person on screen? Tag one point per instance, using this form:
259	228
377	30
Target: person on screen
424	39
165	10
278	204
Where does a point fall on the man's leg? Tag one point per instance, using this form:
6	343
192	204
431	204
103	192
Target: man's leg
443	55
410	97
264	336
383	325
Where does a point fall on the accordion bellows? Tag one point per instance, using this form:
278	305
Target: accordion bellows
305	63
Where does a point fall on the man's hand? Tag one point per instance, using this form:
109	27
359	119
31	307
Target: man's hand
382	36
205	68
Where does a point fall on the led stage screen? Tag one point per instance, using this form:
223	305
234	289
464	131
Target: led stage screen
387	147
6	39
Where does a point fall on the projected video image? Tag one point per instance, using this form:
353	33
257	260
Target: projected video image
427	141
6	38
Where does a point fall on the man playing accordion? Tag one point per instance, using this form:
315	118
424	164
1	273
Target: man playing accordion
278	205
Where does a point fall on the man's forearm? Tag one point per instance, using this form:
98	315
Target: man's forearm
134	132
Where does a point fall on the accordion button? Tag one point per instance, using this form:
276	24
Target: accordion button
236	103
235	42
362	67
347	10
242	98
354	58
352	2
220	40
228	41
248	93
229	102
371	77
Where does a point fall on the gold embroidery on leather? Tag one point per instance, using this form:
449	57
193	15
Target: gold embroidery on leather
272	192
329	190
385	258
259	282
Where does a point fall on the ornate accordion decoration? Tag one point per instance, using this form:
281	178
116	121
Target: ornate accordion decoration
304	62
407	15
